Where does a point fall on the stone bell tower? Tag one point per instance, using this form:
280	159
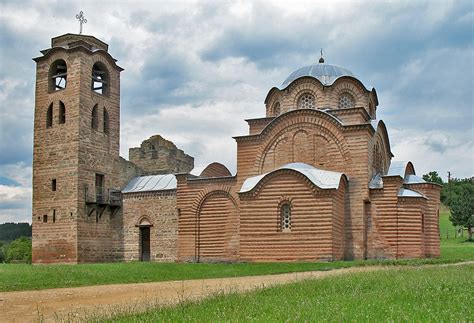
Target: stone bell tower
76	163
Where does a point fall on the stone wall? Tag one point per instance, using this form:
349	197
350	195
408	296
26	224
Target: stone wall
159	210
157	155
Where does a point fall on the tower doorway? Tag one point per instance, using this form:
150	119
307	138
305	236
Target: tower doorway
145	243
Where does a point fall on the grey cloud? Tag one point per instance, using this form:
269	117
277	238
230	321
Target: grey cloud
210	62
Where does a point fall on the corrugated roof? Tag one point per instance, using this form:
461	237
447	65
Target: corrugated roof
321	178
151	183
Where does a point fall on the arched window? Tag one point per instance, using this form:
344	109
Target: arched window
49	116
346	101
306	101
285	217
95	117
62	112
100	79
276	109
57	75
106	121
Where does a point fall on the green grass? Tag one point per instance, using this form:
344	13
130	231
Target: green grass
15	277
420	294
452	245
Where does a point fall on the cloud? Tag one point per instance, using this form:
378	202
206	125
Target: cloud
195	70
427	148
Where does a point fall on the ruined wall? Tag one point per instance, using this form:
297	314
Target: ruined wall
158	209
157	155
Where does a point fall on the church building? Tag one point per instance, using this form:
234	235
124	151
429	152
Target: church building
315	178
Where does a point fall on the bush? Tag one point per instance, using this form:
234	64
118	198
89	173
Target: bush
19	251
2	251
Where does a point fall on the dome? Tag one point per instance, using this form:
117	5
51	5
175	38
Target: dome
325	73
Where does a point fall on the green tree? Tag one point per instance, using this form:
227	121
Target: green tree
19	250
462	208
2	251
12	231
433	177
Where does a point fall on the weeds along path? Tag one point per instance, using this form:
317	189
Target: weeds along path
75	304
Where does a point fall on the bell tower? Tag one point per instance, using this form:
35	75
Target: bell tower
76	166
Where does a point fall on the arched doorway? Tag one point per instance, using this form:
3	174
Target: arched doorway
144	227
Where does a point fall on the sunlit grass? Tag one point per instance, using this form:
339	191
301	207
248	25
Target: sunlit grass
402	294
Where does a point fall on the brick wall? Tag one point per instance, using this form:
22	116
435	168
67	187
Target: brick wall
316	221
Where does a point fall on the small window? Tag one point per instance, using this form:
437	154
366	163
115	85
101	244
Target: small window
49	116
62	112
58	76
53	184
285	217
45	218
276	109
306	101
100	79
95	118
346	101
54	216
106	121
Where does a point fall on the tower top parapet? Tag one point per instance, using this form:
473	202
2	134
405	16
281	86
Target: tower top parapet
71	40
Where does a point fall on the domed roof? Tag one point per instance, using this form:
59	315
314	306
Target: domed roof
325	73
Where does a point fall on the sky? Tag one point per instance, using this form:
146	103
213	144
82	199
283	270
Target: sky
194	70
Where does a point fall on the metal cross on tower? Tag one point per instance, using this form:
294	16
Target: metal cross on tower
82	20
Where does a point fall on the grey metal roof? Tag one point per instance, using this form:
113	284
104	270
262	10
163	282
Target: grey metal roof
151	183
327	74
413	179
405	192
321	178
397	168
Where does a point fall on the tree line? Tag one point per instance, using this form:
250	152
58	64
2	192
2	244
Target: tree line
458	195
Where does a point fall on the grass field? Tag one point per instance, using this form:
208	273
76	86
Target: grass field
25	277
422	294
453	247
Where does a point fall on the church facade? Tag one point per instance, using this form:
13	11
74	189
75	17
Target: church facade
315	180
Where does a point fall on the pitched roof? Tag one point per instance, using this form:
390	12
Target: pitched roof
151	183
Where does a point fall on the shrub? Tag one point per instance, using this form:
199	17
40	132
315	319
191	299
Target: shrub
19	251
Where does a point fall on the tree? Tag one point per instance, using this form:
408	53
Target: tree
433	177
462	208
19	250
2	251
12	231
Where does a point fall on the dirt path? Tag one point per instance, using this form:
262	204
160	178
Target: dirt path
72	304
